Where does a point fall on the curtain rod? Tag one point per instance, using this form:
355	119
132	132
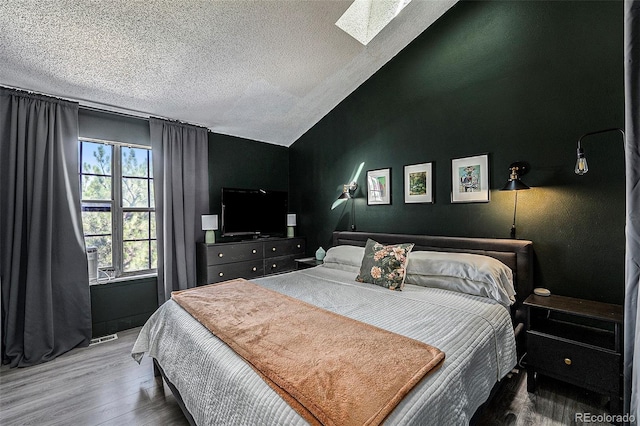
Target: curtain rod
104	108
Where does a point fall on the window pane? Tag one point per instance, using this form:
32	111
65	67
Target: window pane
103	244
96	158
96	187
135	256
135	162
96	222
154	254
152	194
135	225
153	225
135	192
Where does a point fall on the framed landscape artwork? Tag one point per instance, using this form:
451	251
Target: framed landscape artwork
418	183
470	179
379	187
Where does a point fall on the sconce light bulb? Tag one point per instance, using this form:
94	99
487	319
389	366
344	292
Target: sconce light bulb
581	166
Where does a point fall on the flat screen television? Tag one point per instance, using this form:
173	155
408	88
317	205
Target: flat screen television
256	212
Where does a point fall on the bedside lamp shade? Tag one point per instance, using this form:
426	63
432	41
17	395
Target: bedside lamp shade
210	225
291	223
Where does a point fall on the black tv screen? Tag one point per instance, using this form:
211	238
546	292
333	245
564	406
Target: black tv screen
254	212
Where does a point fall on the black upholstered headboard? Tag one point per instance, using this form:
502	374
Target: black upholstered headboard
516	254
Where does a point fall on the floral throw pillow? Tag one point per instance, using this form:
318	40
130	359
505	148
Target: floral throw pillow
384	265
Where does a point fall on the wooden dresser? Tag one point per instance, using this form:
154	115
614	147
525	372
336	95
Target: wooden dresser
247	259
577	341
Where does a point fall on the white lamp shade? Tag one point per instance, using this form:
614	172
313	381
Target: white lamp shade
209	222
291	219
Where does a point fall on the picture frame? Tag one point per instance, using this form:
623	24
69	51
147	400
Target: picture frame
418	183
470	179
379	187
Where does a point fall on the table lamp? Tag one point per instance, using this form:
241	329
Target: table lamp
291	223
210	225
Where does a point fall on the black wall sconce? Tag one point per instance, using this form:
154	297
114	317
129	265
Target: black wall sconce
516	170
581	163
349	192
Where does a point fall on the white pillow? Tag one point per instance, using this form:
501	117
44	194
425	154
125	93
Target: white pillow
346	258
462	272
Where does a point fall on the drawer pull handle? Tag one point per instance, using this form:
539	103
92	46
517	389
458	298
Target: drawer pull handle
273	249
220	254
298	246
274	266
221	274
254	269
254	251
567	361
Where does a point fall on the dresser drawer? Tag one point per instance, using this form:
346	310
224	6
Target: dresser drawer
583	365
276	265
227	253
284	247
247	270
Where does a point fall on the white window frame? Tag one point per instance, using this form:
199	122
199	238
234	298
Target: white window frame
117	209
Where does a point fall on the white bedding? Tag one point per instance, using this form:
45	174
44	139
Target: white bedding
218	387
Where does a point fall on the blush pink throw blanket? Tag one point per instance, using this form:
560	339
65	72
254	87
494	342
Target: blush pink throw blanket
331	369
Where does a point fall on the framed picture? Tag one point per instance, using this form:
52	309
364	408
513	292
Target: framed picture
418	183
379	187
470	179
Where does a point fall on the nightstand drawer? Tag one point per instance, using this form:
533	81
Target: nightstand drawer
247	270
583	365
226	253
289	246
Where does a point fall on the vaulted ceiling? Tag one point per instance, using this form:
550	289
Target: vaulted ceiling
262	70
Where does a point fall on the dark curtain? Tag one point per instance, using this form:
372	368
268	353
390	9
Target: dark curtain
181	186
46	307
632	158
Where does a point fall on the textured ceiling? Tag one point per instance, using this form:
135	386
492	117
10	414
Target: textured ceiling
262	70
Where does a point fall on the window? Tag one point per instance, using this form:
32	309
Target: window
118	208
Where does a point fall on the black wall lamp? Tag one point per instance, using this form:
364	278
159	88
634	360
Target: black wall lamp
349	192
581	163
516	170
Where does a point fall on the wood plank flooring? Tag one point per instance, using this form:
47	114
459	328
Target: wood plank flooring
98	385
103	385
553	403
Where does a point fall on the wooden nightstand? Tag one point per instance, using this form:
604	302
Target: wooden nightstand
307	262
576	341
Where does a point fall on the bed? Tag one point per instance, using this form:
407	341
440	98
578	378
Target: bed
478	334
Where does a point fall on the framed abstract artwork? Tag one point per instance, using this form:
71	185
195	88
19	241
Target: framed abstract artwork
418	183
470	179
379	187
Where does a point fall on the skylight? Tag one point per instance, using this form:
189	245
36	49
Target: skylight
364	19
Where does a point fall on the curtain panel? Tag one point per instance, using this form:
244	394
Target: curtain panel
46	305
181	186
632	159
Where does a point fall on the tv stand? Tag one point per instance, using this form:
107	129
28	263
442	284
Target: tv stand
247	259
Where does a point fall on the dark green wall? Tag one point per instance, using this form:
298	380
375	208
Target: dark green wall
242	163
519	80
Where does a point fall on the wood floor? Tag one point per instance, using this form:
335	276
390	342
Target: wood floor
98	385
553	403
103	385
